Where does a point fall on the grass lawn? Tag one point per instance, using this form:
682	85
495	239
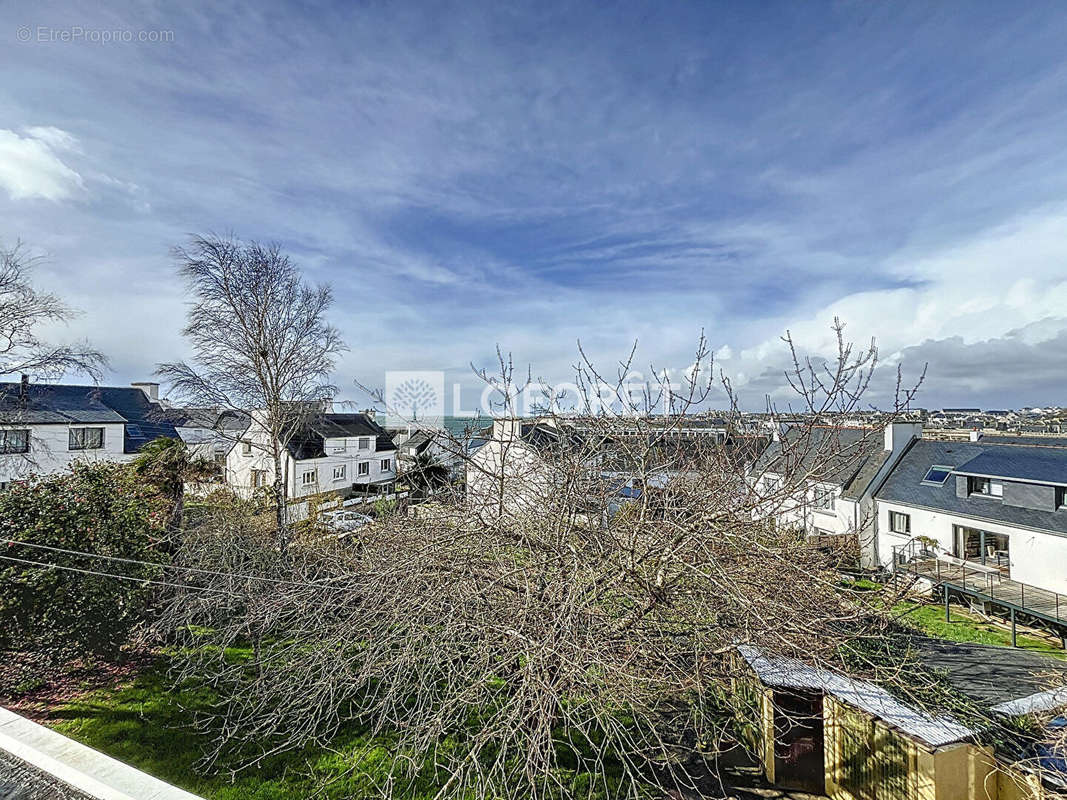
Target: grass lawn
964	627
146	725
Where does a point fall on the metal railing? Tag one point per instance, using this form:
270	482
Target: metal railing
981	581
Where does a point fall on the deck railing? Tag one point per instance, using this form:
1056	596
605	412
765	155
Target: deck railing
983	582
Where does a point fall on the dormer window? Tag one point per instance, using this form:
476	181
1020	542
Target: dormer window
824	498
937	475
985	487
364	443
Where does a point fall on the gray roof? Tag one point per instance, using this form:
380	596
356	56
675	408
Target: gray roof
310	440
848	457
64	404
904	485
1030	464
22	781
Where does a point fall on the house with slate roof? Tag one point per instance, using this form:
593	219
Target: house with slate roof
994	505
329	452
821	479
44	428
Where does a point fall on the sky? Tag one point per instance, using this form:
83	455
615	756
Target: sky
531	175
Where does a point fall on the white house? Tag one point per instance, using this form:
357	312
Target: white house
344	453
822	478
511	474
996	503
44	428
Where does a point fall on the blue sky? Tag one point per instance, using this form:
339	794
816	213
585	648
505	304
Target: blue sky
531	174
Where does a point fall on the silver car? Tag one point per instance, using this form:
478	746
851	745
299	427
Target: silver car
345	521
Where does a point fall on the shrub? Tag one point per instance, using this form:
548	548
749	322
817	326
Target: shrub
61	613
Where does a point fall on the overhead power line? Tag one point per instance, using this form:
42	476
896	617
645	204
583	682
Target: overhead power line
133	578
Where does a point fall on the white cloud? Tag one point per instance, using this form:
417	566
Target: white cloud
29	166
1008	284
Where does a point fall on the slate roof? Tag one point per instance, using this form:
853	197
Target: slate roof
210	418
1030	464
22	781
847	457
64	404
904	485
310	440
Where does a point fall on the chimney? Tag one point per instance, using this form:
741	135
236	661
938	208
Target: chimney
150	389
506	429
24	387
370	413
898	434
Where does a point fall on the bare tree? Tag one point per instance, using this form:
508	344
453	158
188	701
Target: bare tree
23	311
260	341
543	635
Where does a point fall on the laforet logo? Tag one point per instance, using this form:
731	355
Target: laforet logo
415	395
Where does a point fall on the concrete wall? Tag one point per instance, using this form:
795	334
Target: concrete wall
1037	558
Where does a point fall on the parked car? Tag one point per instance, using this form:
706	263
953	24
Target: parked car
345	521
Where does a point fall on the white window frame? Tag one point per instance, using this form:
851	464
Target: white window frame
339	472
996	487
386	464
309	477
824	499
363	468
71	436
246	447
894	516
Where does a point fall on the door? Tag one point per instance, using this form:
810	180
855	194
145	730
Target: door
798	741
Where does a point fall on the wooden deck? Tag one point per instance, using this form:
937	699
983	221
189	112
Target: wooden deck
989	584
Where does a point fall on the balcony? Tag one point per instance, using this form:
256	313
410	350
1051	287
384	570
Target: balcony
986	583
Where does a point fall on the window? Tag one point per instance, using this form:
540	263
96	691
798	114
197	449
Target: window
246	448
308	477
986	487
339	472
824	498
134	431
937	475
86	438
364	443
1061	497
899	523
771	483
15	441
387	464
364	468
259	478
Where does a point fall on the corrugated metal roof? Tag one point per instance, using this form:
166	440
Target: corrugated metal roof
1036	703
788	673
